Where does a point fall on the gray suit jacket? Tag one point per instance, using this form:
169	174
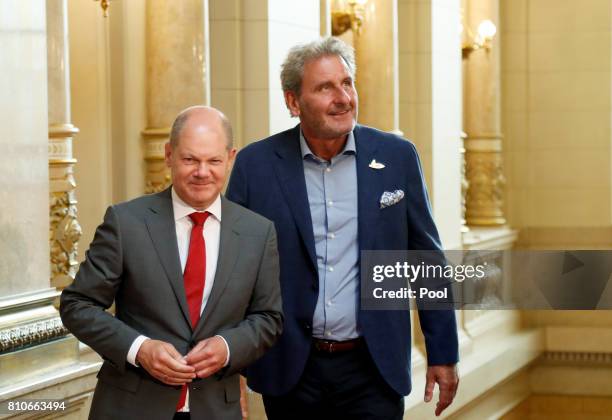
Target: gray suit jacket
134	261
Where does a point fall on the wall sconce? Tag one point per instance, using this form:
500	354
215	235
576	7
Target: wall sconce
350	17
104	4
483	39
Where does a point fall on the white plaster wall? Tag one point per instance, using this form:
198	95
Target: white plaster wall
446	120
24	192
430	102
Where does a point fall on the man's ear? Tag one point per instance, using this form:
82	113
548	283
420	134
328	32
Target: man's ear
168	154
232	154
292	103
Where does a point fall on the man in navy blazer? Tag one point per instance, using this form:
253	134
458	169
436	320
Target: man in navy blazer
321	183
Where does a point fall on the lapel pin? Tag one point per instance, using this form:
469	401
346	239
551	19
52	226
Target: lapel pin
376	165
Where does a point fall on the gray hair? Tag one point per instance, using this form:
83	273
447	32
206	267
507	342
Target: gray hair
181	119
292	69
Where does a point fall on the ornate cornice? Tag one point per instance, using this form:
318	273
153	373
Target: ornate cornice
62	130
156	133
571	357
33	333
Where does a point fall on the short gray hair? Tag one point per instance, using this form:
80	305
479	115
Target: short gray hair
292	69
181	119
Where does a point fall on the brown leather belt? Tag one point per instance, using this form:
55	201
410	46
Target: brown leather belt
328	346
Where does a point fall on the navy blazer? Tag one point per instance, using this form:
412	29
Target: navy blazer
268	178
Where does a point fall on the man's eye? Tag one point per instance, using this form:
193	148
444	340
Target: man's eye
188	160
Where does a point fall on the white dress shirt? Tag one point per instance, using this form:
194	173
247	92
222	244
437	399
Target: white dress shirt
212	235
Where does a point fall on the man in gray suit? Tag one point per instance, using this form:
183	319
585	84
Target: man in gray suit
194	278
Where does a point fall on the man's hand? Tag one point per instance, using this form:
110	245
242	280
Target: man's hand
447	378
164	363
207	357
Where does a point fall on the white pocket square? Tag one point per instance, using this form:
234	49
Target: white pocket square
390	198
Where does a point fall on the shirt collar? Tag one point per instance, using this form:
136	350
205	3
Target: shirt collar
348	147
182	209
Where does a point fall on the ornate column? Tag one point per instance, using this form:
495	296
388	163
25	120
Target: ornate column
34	345
64	228
377	66
484	201
375	39
177	74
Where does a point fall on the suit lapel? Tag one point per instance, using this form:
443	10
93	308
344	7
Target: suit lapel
160	223
290	171
229	242
369	187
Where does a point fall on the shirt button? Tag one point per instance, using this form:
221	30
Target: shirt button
330	269
327	169
331	236
329	303
330	203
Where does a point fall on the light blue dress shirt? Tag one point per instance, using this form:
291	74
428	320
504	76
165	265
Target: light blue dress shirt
332	197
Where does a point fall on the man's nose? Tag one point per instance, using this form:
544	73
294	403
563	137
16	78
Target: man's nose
203	170
342	96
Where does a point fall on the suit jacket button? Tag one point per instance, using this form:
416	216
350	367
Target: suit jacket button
192	344
307	326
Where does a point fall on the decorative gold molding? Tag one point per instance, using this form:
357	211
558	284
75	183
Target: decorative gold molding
484	198
156	133
58	162
565	357
486	136
104	4
158	179
464	185
158	175
62	130
64	234
60	144
33	333
64	228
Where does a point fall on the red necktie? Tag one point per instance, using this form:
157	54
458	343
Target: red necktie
194	277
